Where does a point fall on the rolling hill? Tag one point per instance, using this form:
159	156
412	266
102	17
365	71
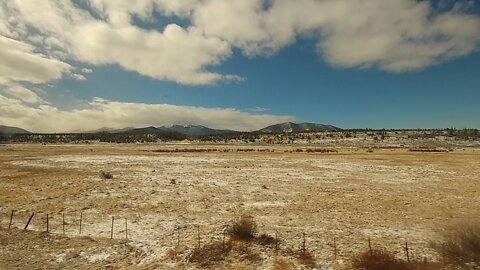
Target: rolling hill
12	130
290	127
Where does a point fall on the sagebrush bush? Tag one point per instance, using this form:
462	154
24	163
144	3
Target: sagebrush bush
280	263
460	246
106	175
209	254
243	229
306	258
379	260
266	240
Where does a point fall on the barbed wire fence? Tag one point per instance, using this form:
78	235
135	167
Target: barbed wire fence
118	227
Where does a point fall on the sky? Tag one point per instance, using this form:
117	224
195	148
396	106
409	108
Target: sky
80	65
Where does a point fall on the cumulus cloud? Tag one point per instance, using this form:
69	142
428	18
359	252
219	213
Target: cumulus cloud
78	77
177	54
21	93
87	70
38	40
395	35
104	113
19	62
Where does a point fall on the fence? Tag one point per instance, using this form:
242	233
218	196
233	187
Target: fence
218	234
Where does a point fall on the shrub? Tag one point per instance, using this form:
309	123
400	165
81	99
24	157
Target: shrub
210	254
379	260
106	175
266	240
460	246
280	263
306	258
243	229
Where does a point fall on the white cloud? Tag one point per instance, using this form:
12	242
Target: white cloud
258	109
103	113
174	53
19	62
397	35
78	77
394	35
21	93
87	70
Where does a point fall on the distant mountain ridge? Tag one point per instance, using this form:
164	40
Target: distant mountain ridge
290	127
189	130
109	130
194	130
12	130
197	130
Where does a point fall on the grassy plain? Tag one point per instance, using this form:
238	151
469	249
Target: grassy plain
172	198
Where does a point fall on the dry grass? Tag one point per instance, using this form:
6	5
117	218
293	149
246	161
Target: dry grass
244	229
106	175
346	184
384	260
306	258
210	254
460	246
266	240
280	263
379	260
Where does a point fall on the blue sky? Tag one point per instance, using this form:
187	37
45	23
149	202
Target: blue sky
335	72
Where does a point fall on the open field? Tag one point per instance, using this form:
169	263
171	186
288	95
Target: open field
170	198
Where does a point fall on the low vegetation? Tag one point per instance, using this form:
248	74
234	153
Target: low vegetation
280	263
106	175
244	229
146	136
306	258
379	259
460	246
210	254
266	240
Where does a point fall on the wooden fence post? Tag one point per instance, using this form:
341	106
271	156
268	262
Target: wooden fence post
303	245
406	251
111	232
48	231
11	220
276	243
198	236
126	229
81	216
63	223
370	247
178	235
30	219
334	249
224	233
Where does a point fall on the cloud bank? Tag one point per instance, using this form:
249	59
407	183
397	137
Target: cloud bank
394	35
43	41
104	113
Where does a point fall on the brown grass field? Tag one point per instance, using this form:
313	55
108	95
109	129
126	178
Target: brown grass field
175	201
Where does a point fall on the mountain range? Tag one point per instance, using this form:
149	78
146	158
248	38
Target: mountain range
193	130
189	130
290	127
196	130
12	130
